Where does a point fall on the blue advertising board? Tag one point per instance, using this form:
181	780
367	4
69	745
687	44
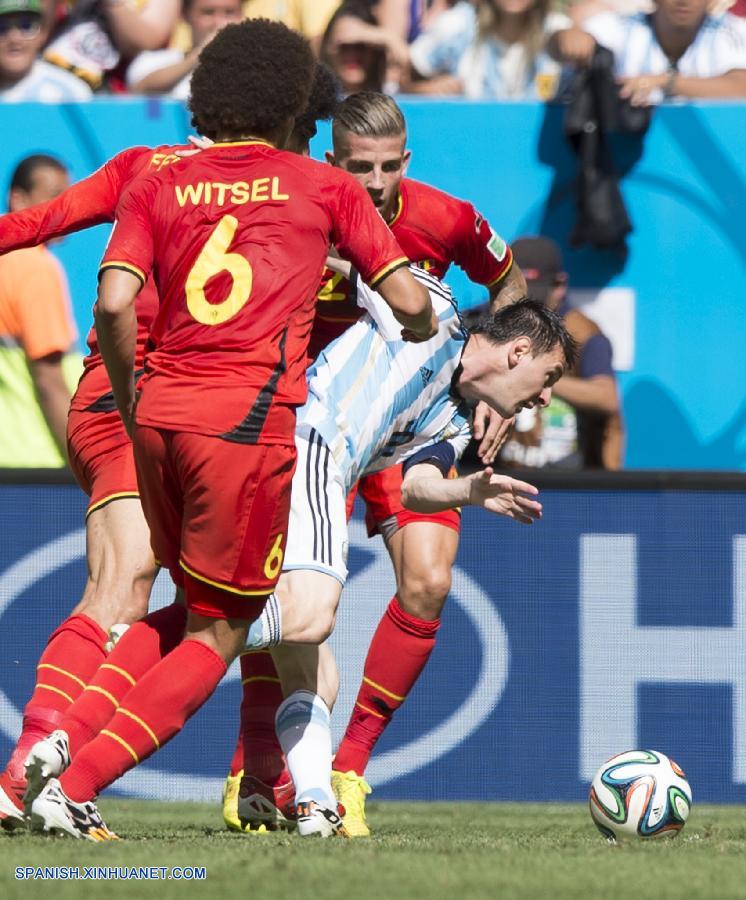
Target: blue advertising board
671	300
617	621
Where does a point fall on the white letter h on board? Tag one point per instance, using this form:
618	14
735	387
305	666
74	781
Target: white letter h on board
616	654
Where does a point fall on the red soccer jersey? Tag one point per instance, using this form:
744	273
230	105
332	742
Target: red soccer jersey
237	238
434	229
90	202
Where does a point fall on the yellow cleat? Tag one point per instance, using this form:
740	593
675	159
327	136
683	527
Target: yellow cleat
230	801
230	807
350	789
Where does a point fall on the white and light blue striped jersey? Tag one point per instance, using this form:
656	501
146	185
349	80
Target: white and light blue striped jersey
718	46
376	399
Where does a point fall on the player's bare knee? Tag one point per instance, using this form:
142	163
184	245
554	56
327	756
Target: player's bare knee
424	594
309	608
318	627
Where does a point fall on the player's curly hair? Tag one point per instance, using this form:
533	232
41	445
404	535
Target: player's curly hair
322	104
532	319
250	78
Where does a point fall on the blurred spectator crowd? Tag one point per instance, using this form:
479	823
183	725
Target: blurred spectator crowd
57	50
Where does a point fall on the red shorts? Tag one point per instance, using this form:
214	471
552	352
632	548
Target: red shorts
218	511
101	457
382	494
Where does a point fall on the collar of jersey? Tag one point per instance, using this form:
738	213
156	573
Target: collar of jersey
247	143
399	208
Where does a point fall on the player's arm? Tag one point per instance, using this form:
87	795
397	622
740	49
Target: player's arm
361	236
510	288
124	270
87	203
410	302
116	328
426	489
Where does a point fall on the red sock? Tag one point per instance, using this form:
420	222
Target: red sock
137	651
398	653
155	710
73	653
261	754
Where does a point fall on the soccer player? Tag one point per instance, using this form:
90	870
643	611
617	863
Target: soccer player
435	230
368	408
120	561
121	567
215	422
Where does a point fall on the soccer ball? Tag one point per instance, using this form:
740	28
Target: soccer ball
639	794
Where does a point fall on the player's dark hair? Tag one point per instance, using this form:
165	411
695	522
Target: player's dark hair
532	319
322	104
368	114
251	77
22	178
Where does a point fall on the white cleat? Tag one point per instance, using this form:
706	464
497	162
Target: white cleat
48	758
315	820
11	812
54	812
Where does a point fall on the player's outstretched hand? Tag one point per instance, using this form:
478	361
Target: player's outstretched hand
417	337
489	427
505	496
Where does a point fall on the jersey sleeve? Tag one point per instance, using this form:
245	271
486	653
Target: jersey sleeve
88	202
478	249
131	244
441	455
446	452
360	234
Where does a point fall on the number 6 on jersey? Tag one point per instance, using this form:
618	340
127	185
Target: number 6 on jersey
213	259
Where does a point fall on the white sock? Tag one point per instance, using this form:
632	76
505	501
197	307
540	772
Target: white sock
304	732
266	631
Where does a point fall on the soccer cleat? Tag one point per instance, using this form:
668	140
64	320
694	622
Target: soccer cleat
350	789
48	758
230	801
11	802
52	811
262	807
315	820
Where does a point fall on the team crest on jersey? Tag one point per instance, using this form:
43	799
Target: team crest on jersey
497	246
427	265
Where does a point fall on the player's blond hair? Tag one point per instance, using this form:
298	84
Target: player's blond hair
368	114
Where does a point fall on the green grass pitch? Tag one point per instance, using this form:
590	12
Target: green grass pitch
458	851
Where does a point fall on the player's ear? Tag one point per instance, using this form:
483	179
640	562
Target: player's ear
406	156
330	158
519	348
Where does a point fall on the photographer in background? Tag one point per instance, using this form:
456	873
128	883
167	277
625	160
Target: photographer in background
582	428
